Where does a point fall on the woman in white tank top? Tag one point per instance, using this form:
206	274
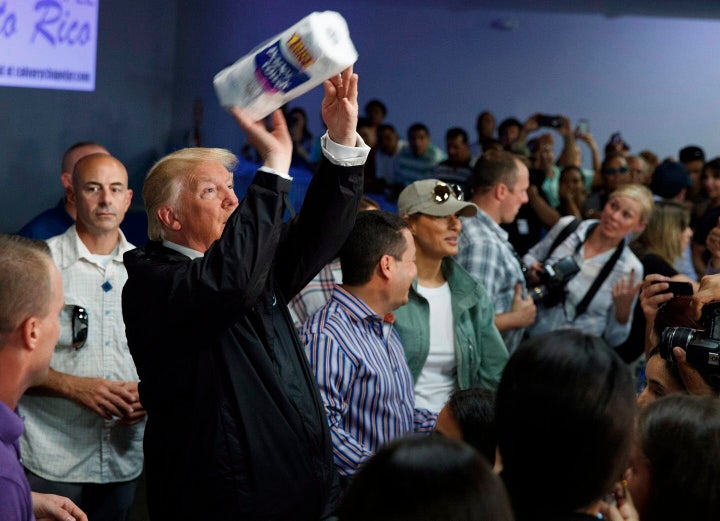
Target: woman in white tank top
447	327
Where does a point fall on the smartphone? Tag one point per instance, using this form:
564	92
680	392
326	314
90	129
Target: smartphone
583	127
679	288
544	120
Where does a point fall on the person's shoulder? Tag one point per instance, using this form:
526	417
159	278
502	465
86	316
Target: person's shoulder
153	259
565	220
709	220
654	263
47	224
56	240
473	225
324	321
632	261
462	284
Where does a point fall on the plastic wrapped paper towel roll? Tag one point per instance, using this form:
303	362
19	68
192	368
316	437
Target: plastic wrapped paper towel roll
316	48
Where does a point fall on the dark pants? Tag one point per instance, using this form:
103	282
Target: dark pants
101	502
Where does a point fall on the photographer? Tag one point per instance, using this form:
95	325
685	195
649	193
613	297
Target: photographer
599	298
664	310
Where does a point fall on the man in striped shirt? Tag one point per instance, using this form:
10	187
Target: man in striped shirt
354	350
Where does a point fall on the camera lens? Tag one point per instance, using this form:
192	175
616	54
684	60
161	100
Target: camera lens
674	337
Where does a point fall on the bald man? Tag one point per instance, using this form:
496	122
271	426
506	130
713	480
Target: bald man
84	428
60	217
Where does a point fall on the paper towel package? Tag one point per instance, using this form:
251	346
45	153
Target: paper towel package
288	65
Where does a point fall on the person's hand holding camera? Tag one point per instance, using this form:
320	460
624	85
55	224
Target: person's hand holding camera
653	293
524	308
531	124
691	377
565	128
622	507
708	291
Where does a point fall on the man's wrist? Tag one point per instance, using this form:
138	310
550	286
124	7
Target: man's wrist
343	155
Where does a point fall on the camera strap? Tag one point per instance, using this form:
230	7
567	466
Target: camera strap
604	272
564	234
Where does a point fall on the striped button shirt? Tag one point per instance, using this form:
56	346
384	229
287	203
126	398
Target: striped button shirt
314	296
363	377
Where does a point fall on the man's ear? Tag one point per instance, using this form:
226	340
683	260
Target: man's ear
501	191
70	194
66	180
385	266
30	331
168	216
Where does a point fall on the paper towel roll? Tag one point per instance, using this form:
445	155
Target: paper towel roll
288	65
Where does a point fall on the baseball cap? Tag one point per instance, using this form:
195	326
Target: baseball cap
669	178
434	197
692	153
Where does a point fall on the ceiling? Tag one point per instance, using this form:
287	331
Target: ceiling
708	9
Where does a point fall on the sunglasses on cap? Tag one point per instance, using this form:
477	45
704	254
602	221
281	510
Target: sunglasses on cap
79	324
613	171
443	191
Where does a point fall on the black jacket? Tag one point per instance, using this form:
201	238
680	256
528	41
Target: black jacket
236	428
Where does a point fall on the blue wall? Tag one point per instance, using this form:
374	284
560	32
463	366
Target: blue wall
129	112
654	79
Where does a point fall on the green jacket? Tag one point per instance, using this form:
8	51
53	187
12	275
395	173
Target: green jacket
480	351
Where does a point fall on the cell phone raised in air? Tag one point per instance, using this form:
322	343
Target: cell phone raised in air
544	120
679	288
583	127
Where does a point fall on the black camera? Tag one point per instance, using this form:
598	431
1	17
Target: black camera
701	345
553	278
544	120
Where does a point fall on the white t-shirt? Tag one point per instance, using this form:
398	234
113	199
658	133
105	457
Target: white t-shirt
437	378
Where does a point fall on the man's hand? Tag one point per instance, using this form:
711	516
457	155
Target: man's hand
524	308
274	146
340	107
106	398
709	291
692	379
623	509
49	507
138	410
530	125
586	138
565	129
652	296
623	294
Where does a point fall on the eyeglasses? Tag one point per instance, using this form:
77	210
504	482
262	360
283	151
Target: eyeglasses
79	323
613	171
443	191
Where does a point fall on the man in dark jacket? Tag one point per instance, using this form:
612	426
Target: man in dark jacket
236	428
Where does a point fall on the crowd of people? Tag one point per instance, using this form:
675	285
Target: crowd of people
499	347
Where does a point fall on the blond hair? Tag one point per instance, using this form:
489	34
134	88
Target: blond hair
663	234
166	178
638	193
